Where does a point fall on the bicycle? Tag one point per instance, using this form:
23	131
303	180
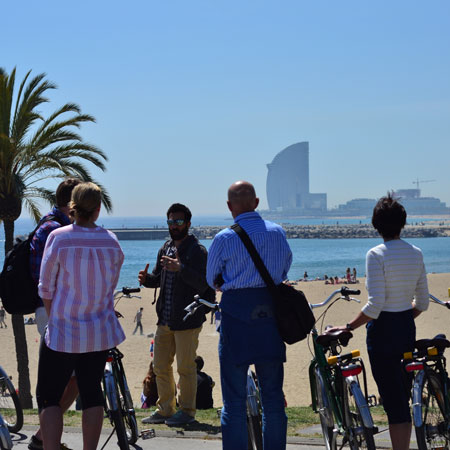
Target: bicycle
430	390
118	402
10	406
254	408
335	389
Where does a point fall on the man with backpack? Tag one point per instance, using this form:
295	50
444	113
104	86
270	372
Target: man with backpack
57	217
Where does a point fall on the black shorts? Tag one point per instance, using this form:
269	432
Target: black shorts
56	368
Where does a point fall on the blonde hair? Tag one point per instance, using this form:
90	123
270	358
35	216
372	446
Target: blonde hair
86	199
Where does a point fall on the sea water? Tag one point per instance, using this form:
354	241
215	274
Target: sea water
315	256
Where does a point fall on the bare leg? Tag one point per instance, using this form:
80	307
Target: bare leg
68	397
51	420
400	435
92	426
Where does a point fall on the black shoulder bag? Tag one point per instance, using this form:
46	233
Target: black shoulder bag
292	311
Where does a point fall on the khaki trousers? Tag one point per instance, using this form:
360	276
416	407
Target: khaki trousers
182	344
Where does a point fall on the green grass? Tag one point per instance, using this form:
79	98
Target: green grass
208	421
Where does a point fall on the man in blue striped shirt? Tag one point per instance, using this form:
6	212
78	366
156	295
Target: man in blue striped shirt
248	331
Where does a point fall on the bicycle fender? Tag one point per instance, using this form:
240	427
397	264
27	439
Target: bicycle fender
110	388
417	398
5	437
252	404
323	392
360	400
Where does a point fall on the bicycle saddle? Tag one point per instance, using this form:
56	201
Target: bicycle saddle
439	341
340	337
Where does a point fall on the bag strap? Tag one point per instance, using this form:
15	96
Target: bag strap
49	218
262	269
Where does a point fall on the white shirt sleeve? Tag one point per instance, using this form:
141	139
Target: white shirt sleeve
376	285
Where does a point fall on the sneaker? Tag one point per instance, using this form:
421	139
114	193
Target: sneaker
155	418
180	418
35	443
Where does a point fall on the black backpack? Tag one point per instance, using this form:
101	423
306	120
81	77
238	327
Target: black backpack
18	290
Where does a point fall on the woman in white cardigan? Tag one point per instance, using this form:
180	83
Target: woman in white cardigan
398	292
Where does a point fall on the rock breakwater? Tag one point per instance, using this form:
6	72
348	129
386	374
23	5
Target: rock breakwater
294	232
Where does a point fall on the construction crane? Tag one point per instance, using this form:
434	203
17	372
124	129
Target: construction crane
417	182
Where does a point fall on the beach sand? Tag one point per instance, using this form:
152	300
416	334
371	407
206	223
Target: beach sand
296	384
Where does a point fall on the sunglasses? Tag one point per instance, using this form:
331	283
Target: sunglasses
178	222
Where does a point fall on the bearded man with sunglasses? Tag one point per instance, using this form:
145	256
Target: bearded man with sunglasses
180	273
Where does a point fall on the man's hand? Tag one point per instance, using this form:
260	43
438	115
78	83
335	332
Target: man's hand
171	264
143	275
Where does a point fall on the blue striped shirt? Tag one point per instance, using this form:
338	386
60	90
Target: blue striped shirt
229	257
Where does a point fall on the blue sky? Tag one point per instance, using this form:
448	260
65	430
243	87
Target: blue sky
190	96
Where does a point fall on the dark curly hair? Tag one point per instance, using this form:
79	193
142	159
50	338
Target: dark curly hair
178	207
389	216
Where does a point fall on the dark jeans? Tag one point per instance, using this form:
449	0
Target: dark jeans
249	335
234	394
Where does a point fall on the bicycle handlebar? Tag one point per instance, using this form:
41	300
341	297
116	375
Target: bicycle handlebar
128	290
344	292
197	303
439	302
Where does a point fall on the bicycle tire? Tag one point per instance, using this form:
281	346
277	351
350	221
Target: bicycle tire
358	434
325	412
114	411
10	406
254	425
432	433
126	404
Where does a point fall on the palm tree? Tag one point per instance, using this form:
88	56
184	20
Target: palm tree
34	148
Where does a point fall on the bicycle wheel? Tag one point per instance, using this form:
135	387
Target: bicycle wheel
10	407
114	411
434	432
325	412
126	405
357	414
254	428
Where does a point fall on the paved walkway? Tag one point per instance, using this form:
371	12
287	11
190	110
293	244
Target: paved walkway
191	440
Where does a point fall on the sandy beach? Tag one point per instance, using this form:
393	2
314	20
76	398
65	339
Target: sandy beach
296	385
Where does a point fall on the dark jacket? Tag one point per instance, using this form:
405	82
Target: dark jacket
189	281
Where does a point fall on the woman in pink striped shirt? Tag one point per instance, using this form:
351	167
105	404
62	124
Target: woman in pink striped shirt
79	272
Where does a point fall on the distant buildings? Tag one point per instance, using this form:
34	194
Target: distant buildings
288	193
288	183
414	204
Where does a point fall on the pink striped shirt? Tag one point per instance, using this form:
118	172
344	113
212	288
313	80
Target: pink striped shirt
79	272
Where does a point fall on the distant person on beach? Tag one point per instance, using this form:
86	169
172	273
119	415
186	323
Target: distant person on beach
398	292
79	272
138	320
2	317
355	278
248	331
305	276
58	217
348	275
180	272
